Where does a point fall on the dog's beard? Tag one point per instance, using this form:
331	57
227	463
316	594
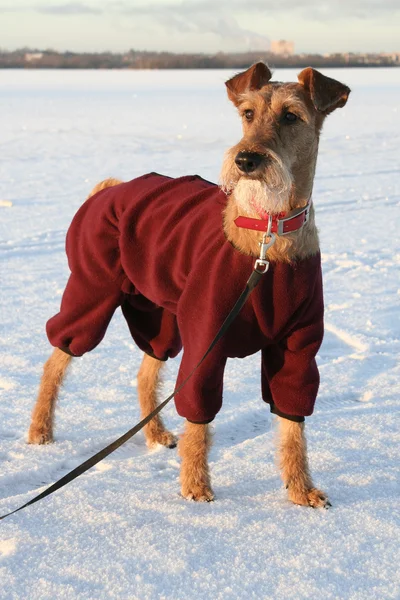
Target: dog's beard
256	197
269	195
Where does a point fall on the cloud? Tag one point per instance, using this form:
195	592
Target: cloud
188	13
70	8
198	17
218	18
343	9
222	17
53	8
310	9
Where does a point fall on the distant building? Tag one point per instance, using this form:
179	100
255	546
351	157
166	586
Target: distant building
282	47
394	56
33	56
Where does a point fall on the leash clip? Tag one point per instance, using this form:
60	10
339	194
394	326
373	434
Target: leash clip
262	264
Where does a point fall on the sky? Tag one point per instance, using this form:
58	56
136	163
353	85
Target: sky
201	25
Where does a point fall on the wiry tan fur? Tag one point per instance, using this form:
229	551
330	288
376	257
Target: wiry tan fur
195	477
148	384
106	183
283	184
42	424
293	462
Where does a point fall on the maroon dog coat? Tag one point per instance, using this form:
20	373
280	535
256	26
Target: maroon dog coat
155	246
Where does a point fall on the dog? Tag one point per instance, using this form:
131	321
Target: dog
175	254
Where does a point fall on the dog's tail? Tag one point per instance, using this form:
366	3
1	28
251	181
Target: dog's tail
106	183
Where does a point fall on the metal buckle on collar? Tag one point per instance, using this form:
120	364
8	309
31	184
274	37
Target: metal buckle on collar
262	264
296	213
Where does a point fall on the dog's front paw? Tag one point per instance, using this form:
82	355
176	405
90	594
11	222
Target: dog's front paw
39	436
197	492
312	497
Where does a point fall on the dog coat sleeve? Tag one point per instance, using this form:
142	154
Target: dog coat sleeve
201	398
290	377
93	291
199	318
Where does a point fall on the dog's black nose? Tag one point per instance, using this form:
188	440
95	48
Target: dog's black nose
248	162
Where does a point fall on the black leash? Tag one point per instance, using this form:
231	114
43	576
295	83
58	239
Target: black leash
91	462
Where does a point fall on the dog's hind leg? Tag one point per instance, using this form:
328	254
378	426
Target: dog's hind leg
42	422
148	384
294	465
195	476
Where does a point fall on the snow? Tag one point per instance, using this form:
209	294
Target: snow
122	530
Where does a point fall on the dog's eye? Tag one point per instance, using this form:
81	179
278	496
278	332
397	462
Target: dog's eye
290	117
248	114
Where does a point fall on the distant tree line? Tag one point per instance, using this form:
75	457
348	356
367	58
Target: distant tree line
27	58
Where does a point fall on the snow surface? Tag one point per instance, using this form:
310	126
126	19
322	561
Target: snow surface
122	530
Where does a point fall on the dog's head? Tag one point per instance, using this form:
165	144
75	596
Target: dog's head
272	168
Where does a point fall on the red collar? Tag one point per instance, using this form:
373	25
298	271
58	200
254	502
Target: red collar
280	223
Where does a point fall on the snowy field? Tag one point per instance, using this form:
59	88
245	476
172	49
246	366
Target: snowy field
122	530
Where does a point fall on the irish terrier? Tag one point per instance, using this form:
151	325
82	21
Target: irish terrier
175	254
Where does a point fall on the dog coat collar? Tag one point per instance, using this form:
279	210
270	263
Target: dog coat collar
281	223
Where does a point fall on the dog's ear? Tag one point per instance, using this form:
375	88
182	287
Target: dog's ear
326	93
253	79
